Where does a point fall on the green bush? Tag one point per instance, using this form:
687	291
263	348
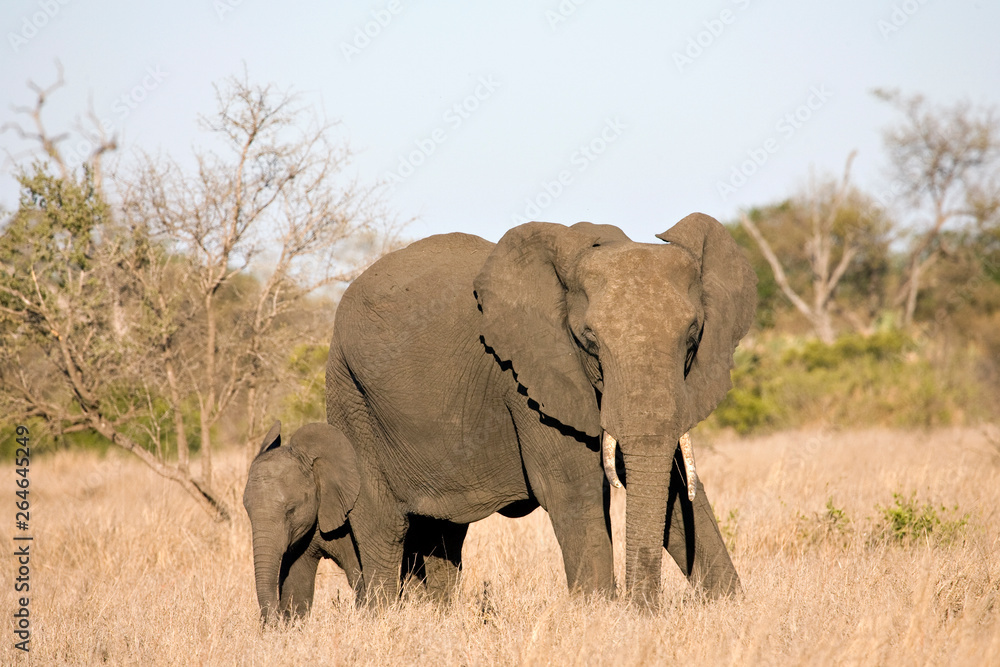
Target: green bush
886	379
907	522
152	429
306	401
746	409
880	346
832	526
729	528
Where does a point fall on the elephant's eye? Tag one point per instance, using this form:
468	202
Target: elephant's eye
589	339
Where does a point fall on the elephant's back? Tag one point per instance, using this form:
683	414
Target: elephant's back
416	283
411	313
444	260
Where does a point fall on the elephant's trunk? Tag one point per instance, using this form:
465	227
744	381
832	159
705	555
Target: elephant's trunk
647	465
647	419
267	554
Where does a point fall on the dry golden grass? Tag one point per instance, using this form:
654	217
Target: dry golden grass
127	570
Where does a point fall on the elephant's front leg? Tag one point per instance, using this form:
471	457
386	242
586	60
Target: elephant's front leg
380	539
566	478
583	528
297	582
693	540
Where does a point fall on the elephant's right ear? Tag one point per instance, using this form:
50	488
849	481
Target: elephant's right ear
272	439
522	290
337	480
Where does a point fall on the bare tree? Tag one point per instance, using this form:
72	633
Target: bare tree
276	179
98	140
838	226
67	358
114	320
947	161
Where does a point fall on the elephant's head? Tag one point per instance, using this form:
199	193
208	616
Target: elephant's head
629	341
292	491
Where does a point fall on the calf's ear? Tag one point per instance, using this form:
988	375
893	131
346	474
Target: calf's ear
272	440
335	469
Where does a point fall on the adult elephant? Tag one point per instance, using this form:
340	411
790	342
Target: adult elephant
475	378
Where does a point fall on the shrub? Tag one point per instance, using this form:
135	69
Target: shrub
305	401
745	409
886	379
906	522
885	345
830	527
729	528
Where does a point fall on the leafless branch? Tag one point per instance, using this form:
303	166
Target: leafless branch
823	206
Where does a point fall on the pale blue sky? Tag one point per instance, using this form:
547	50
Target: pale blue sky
662	133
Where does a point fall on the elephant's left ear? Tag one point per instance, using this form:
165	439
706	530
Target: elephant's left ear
338	484
729	301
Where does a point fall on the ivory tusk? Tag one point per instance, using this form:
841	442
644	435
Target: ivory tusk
687	451
608	447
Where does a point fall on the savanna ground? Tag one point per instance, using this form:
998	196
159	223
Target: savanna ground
836	570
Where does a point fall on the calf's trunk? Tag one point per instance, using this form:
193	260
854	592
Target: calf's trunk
267	553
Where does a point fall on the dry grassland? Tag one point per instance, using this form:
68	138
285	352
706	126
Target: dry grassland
127	570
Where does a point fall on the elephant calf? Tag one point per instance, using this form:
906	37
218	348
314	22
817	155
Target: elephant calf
298	497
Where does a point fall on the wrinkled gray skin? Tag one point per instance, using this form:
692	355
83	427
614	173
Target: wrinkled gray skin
475	378
297	497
